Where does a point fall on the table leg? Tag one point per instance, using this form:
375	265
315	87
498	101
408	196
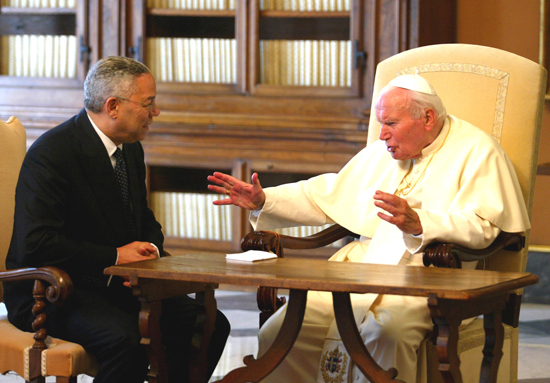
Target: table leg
347	327
204	328
447	315
151	337
257	369
446	345
492	350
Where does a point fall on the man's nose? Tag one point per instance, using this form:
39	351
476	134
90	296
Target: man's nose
155	110
384	135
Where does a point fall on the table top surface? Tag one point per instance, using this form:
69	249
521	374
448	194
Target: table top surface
314	274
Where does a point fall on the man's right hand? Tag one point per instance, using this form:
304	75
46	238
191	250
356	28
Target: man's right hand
239	193
136	251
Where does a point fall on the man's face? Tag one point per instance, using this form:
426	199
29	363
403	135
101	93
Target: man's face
136	114
405	137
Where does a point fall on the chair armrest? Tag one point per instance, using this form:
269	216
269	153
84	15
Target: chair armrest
275	243
60	284
268	301
59	289
451	255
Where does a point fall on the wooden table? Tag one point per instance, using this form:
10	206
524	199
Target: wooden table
452	295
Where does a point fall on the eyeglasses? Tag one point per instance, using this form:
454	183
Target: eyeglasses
149	106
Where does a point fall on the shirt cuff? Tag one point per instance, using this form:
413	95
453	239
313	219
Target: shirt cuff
116	263
155	246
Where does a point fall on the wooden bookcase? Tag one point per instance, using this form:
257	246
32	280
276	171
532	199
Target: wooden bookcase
255	119
42	98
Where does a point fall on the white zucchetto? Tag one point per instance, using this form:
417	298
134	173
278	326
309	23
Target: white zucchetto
413	82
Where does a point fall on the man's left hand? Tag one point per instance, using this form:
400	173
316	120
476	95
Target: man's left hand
400	213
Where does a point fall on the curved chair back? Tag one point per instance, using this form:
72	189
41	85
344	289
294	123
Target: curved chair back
498	91
13	139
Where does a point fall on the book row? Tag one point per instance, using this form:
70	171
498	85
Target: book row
38	56
265	5
192	215
39	3
282	62
192	60
306	62
305	5
214	5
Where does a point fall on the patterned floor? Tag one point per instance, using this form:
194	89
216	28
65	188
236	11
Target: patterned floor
240	307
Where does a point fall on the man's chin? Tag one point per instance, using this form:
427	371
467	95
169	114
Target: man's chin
395	156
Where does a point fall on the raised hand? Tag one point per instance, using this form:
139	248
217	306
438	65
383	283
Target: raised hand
239	193
399	214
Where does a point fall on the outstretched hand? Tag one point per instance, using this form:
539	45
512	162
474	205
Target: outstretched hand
399	212
239	193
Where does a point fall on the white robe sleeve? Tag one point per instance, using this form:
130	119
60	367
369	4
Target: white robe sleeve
289	205
463	228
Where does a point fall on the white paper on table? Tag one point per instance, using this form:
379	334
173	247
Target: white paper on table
251	256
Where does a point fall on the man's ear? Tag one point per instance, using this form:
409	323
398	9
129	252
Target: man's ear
429	119
111	106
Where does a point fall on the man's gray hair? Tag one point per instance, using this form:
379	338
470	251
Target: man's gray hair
419	102
112	76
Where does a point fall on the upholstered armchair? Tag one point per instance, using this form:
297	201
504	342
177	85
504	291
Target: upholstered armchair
32	355
503	94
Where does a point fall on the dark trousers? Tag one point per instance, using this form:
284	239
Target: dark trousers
105	323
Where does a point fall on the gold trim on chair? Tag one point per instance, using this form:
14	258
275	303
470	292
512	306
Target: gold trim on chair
501	76
26	372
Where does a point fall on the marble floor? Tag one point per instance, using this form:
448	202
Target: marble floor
240	307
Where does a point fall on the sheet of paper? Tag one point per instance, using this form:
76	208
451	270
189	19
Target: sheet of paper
251	256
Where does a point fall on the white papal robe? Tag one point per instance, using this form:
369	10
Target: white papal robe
465	191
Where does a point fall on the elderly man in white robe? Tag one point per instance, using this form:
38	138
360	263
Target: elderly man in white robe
391	194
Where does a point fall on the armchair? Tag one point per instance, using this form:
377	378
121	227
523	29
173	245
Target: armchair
501	93
32	355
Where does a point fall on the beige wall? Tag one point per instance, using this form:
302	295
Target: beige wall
512	25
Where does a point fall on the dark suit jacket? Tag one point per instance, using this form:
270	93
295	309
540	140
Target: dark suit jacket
69	210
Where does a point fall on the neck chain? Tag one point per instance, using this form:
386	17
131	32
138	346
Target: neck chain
405	190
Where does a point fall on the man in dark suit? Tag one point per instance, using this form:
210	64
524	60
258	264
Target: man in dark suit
81	205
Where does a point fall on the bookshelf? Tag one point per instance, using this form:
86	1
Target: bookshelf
183	206
43	40
279	87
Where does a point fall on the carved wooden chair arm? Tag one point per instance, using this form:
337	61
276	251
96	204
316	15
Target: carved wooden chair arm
451	255
275	243
59	289
268	301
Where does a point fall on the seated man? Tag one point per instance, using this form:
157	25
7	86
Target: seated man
430	177
81	205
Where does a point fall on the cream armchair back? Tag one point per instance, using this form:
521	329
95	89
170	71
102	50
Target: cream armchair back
32	355
503	94
13	139
497	91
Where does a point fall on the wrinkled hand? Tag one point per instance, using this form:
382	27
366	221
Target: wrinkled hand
239	193
400	213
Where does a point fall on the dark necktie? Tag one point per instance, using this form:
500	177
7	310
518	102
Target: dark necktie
122	179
